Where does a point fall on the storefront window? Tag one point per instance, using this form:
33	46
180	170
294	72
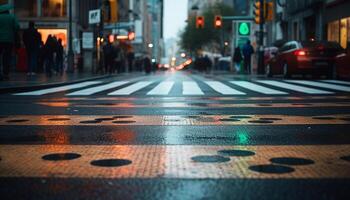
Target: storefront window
54	8
343	32
348	19
58	33
333	31
26	8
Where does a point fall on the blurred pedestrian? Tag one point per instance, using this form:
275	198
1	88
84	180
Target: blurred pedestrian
32	40
207	63
131	57
237	59
147	64
8	38
49	55
59	57
109	56
247	50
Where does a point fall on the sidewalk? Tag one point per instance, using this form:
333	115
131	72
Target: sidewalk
20	81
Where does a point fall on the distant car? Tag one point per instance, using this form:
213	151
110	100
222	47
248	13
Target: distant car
342	65
309	57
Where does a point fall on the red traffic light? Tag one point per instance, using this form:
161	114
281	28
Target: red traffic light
218	21
200	22
131	35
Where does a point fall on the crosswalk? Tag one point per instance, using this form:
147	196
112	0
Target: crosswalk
194	88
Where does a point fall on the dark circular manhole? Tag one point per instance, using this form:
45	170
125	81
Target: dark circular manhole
210	159
107	104
264	105
61	156
2	117
346	158
122	116
111	162
229	120
324	118
124	122
301	104
59	119
271	169
105	119
240	117
91	122
270	119
291	161
260	122
238	153
345	118
17	120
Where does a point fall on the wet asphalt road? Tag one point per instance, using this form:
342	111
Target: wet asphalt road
175	146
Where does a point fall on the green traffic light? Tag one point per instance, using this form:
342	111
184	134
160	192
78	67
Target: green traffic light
244	28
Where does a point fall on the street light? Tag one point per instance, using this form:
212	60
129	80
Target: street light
150	45
183	55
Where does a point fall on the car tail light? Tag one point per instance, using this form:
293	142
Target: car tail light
300	53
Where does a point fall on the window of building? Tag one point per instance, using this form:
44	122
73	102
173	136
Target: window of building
26	8
54	8
343	32
333	31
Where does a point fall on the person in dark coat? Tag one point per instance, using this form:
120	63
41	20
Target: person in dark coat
131	57
109	56
49	55
59	57
8	31
237	59
147	64
247	51
32	40
207	64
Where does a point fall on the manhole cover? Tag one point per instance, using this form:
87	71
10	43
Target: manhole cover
271	169
122	116
240	117
105	119
346	158
111	162
238	153
107	104
210	159
229	120
90	122
17	120
345	118
292	161
260	122
270	119
301	104
2	117
324	118
61	156
124	122
59	119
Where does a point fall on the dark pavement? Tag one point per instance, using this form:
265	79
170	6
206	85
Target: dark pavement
177	135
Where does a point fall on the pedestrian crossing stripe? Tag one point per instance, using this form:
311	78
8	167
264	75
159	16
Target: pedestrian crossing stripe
59	89
176	161
199	105
297	88
322	85
192	88
170	120
97	89
337	82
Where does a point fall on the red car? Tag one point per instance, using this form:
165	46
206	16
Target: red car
310	57
342	65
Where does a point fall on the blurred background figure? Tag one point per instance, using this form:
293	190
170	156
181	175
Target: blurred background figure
32	42
60	57
248	51
49	51
8	38
237	59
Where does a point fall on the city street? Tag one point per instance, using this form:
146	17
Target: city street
177	135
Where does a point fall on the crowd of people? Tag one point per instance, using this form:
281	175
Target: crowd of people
41	56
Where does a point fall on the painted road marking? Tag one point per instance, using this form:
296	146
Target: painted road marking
223	89
94	90
170	120
132	88
322	85
294	87
173	161
191	88
58	89
198	105
162	89
256	88
337	82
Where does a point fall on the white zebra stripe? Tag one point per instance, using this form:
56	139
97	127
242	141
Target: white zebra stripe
294	87
94	90
223	89
322	85
257	88
162	89
191	88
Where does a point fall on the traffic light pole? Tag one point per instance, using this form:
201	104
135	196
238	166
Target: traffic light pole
261	67
70	59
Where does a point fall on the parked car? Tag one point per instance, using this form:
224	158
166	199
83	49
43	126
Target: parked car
342	65
309	57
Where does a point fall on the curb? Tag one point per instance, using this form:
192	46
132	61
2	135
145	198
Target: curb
48	85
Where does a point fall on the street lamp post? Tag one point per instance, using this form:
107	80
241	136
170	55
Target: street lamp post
70	59
261	41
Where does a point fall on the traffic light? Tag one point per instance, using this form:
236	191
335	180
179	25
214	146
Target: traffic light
244	28
131	35
218	22
110	11
269	11
257	12
200	22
